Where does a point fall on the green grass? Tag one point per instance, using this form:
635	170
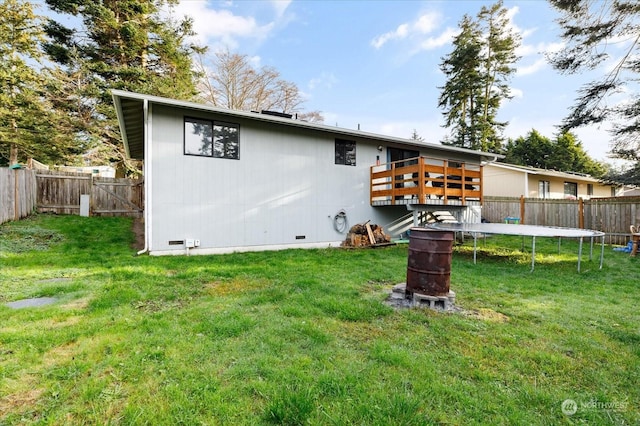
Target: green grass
303	336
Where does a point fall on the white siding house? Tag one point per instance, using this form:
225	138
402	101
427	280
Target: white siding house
218	180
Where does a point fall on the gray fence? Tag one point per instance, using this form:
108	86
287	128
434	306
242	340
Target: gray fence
17	193
611	215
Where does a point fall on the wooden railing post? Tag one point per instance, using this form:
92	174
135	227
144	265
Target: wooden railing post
445	166
393	183
463	186
421	181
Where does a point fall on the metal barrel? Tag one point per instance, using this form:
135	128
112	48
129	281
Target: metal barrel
429	262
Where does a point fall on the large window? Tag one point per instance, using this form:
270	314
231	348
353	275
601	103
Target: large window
345	152
208	138
543	189
571	189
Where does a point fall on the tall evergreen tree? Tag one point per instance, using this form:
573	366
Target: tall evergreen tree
478	70
123	44
26	128
497	66
589	29
463	88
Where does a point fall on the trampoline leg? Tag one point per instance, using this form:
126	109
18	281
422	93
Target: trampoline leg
475	238
533	253
591	251
559	239
579	253
602	252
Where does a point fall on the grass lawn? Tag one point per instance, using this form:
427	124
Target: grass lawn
303	336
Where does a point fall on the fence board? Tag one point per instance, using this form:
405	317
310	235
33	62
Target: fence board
117	197
16	184
59	192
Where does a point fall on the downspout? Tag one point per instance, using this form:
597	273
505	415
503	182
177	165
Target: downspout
147	176
526	184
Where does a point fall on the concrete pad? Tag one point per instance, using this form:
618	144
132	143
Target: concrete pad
31	303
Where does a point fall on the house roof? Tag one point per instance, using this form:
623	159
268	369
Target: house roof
546	172
130	109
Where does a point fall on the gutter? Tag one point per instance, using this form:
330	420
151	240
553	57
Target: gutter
147	177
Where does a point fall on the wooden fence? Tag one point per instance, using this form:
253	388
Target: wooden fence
612	216
17	193
24	191
59	192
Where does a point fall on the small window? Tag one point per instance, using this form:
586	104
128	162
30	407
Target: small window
589	189
543	189
345	152
211	139
571	189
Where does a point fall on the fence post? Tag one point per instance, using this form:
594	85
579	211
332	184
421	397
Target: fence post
522	209
580	213
91	192
16	193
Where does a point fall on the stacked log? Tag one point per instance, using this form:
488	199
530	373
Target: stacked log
365	235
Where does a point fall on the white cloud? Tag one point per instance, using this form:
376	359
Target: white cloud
400	33
516	93
538	52
325	79
280	6
441	40
255	61
427	22
532	68
221	27
424	24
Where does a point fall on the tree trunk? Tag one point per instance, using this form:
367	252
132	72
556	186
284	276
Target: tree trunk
13	149
13	154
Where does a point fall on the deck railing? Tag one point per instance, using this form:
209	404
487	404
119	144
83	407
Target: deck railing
424	180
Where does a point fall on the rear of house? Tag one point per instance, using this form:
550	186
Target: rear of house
220	181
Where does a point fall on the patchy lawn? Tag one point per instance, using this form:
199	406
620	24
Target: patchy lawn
303	336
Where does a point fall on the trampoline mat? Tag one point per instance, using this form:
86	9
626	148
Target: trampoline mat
513	229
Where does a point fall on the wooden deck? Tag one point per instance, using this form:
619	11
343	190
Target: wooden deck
426	181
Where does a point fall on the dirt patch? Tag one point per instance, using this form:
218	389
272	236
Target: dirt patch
19	401
78	304
138	233
488	315
60	354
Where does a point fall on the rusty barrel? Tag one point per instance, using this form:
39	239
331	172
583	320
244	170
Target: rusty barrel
429	262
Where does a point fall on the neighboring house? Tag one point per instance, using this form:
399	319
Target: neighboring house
219	180
510	180
96	171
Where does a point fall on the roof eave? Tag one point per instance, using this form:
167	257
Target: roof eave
119	94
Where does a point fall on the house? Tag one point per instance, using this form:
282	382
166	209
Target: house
96	171
510	180
218	180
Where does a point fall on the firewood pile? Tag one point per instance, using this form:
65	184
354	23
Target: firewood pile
366	235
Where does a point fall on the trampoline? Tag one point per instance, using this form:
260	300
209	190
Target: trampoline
533	231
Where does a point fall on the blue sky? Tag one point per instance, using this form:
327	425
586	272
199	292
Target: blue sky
376	63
